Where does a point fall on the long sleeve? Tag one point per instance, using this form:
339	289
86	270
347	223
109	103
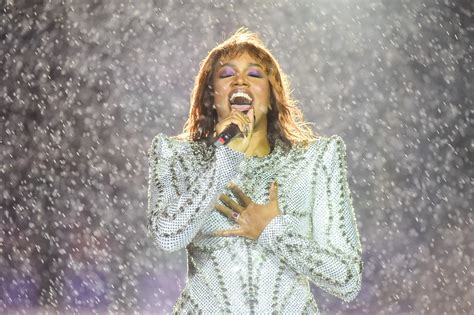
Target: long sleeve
331	255
182	188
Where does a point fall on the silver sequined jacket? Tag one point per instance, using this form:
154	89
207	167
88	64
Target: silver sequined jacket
315	238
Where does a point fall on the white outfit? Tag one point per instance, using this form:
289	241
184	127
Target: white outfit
315	237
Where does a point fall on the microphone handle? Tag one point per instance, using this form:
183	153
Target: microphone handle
225	136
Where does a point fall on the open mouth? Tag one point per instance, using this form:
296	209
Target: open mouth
240	101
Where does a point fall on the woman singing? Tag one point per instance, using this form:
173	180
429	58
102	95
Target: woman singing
263	215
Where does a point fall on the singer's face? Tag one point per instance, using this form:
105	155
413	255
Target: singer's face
246	75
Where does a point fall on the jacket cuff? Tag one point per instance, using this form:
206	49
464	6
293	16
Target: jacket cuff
278	226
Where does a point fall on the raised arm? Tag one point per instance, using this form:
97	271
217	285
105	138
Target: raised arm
331	255
182	187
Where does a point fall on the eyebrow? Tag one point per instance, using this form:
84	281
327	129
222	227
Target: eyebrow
249	65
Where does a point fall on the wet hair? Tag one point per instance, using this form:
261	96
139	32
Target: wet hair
285	120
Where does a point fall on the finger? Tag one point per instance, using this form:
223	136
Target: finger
234	232
229	213
244	117
225	210
244	199
242	125
274	191
249	119
235	117
251	116
240	116
245	125
231	203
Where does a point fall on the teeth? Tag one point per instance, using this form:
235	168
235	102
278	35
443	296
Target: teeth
240	94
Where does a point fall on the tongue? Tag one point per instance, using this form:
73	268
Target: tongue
241	108
240	100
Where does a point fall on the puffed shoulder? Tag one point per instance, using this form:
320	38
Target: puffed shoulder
337	141
163	146
325	146
159	147
333	156
333	139
336	145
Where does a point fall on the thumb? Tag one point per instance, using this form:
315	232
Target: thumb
274	191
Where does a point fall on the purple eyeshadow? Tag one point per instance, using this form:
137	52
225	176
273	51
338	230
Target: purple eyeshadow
254	72
227	72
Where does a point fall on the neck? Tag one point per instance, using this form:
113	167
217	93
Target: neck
259	144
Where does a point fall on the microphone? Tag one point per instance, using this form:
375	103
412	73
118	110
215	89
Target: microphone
229	132
225	136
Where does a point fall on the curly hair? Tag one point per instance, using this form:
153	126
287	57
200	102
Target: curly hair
285	119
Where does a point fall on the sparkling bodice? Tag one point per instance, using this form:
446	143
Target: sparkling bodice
314	238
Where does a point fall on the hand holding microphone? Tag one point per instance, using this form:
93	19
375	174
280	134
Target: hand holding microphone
235	130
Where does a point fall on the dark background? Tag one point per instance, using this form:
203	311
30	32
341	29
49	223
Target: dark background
85	85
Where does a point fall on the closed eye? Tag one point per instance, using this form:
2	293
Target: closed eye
226	72
255	73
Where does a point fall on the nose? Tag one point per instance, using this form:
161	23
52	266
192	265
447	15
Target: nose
240	79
